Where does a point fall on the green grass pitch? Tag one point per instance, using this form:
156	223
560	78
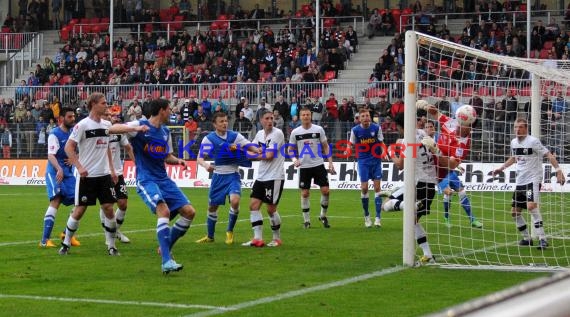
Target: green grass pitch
347	270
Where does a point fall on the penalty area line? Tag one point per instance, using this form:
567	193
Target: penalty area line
113	302
291	294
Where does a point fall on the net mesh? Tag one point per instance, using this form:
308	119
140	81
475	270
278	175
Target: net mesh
499	88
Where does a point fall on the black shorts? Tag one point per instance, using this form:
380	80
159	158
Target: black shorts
318	173
525	193
121	188
268	192
92	189
425	192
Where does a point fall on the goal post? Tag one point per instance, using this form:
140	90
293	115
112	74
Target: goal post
502	89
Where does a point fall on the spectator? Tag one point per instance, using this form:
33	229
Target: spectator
396	107
247	111
294	109
455	104
6	142
346	118
352	38
283	108
316	108
278	121
206	106
294	123
192	127
135	110
510	106
242	124
22	91
220	106
374	24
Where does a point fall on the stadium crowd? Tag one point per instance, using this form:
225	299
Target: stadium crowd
283	62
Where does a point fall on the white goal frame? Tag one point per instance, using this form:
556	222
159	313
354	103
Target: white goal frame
411	90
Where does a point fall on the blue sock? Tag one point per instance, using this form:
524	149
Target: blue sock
211	223
446	206
48	226
233	219
365	201
378	204
163	237
466	204
179	229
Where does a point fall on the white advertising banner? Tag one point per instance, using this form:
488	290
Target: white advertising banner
477	176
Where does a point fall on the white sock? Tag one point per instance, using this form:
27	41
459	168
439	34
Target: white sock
102	217
324	205
51	211
305	206
422	239
537	222
256	224
275	220
72	226
519	220
110	231
120	216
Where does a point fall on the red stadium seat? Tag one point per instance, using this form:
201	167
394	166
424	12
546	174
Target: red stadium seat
525	91
467	92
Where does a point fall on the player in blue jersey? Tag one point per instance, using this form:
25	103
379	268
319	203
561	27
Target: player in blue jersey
369	144
227	149
60	181
153	149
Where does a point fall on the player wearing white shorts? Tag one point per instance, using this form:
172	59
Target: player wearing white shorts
269	183
527	152
310	145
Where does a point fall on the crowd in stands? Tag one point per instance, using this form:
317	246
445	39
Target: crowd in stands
282	61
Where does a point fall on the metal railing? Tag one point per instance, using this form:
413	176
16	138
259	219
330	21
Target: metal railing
455	21
20	51
486	145
168	28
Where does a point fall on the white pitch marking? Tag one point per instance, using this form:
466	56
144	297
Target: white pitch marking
88	235
113	302
291	294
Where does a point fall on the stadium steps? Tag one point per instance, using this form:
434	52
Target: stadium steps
361	64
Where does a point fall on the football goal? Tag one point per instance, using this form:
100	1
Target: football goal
501	88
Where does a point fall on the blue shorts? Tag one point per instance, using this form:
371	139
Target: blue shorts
451	180
65	189
223	185
369	171
152	193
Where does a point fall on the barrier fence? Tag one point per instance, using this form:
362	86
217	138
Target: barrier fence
490	137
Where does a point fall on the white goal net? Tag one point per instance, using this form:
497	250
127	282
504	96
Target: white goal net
501	88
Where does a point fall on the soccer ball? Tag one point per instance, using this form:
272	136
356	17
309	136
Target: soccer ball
466	115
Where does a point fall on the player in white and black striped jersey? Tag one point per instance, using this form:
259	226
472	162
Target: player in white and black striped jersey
310	145
527	152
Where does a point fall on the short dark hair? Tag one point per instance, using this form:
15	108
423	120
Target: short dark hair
218	115
65	110
155	106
